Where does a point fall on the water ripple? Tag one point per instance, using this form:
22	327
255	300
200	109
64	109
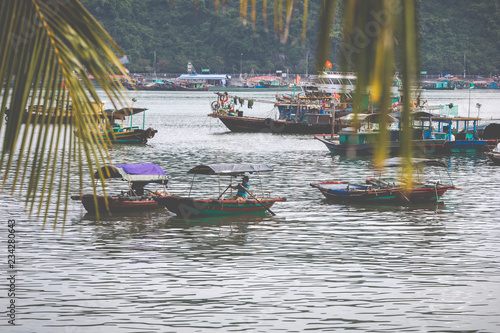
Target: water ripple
315	266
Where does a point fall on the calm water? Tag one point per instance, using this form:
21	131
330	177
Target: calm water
315	266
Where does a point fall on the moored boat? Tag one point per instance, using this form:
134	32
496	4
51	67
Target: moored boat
118	133
294	117
188	207
494	155
362	140
190	86
460	133
389	190
136	198
37	114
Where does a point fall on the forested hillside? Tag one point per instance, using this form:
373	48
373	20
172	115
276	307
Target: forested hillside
217	40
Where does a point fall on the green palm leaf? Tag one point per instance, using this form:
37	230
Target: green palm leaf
375	32
48	48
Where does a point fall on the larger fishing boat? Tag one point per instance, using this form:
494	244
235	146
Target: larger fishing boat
294	116
362	138
460	133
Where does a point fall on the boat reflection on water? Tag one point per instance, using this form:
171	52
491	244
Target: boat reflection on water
425	207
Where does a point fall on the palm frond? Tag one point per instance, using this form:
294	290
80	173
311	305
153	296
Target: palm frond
369	47
409	70
48	50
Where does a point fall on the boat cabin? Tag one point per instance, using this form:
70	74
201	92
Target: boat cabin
361	128
459	133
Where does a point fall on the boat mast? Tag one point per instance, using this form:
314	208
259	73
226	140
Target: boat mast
464	65
154	64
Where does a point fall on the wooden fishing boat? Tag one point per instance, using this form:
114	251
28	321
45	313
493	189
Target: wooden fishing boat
460	133
163	85
268	125
363	139
136	198
190	86
131	134
388	190
118	132
37	114
494	155
364	143
187	207
294	116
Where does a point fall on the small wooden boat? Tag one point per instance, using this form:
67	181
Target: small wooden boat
187	207
190	86
387	190
37	114
136	198
494	155
128	134
118	133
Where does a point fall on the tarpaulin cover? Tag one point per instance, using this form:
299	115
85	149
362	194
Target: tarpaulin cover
142	169
229	169
141	172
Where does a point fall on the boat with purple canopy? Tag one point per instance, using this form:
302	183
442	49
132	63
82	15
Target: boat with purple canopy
137	197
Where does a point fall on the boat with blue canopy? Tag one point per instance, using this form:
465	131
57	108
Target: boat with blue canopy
460	134
225	202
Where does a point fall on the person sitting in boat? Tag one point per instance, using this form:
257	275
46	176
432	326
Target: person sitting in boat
242	189
138	188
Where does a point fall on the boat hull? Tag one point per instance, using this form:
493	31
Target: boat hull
470	145
353	193
118	204
252	89
419	147
189	207
133	136
494	157
182	88
268	125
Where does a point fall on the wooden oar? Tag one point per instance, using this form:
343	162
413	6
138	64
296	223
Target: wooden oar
220	196
270	211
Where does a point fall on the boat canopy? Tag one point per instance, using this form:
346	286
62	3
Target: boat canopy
423	115
204	77
369	118
399	161
140	172
123	112
229	169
